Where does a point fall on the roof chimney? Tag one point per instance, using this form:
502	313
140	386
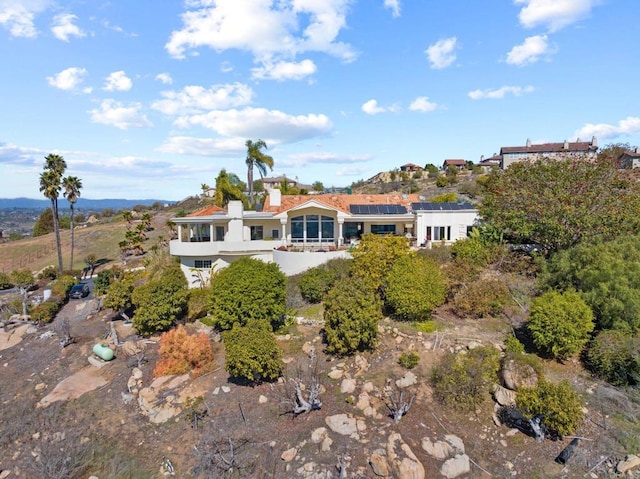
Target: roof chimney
566	145
594	141
481	157
275	198
528	142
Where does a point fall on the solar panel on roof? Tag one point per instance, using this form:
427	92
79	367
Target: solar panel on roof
422	206
377	209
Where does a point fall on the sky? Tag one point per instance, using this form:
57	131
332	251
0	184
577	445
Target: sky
152	98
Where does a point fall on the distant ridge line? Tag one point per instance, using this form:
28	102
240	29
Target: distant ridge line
83	203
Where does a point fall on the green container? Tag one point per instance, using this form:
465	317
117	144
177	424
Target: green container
103	352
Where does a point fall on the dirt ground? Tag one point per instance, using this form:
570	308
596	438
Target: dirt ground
100	433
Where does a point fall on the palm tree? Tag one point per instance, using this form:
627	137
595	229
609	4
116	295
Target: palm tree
50	186
257	159
72	186
226	189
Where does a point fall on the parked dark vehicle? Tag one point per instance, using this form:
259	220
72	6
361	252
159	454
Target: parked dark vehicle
79	291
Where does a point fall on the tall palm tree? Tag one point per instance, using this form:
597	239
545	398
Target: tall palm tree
72	186
257	159
50	186
226	189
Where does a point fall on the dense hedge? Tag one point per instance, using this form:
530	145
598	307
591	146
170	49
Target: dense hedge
251	352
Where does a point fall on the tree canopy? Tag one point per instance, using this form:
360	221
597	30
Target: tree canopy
559	203
256	159
374	256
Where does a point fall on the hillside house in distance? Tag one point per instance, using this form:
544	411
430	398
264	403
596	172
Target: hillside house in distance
488	164
630	159
411	168
459	164
298	232
559	151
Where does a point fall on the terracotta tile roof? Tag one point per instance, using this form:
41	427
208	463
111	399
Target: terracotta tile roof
208	211
583	146
340	202
454	162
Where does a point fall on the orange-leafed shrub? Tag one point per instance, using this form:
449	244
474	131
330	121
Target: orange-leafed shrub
181	352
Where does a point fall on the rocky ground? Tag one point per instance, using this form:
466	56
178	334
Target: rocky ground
66	414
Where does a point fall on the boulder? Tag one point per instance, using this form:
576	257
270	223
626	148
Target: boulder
440	450
289	455
409	379
503	396
456	466
630	462
342	424
402	460
379	465
348	386
318	435
516	375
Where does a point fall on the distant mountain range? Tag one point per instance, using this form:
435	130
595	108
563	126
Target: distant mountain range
83	203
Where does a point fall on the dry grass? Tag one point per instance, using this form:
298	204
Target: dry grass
100	239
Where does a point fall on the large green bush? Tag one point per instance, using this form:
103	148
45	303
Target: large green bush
248	289
607	276
160	302
414	287
615	357
558	403
462	381
63	285
316	282
198	306
560	323
251	352
46	311
5	282
351	313
375	255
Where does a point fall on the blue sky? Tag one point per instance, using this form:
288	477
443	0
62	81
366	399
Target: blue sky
151	98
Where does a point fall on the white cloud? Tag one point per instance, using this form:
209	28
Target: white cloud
351	171
553	14
394	6
197	99
117	81
315	158
273	126
422	103
602	131
271	31
371	107
441	54
187	145
284	70
67	79
500	92
164	78
63	27
530	51
17	16
116	114
226	67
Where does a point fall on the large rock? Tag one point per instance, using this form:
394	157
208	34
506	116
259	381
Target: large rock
409	379
517	375
402	460
348	386
503	396
631	461
456	466
342	424
442	450
379	465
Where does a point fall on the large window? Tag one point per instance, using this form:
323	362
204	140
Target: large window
383	229
203	263
257	232
312	229
219	233
440	233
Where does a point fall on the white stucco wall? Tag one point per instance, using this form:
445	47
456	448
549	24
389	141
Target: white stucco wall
457	220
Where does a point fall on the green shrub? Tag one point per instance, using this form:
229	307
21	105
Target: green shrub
481	298
50	272
558	403
560	323
198	306
462	381
426	326
315	283
513	345
251	352
442	181
473	250
160	302
351	313
450	197
615	357
102	282
46	311
375	255
248	289
409	360
5	282
414	287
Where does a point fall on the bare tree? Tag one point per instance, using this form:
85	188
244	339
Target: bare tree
395	402
63	329
303	390
222	458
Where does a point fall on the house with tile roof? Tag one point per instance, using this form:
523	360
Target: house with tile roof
299	231
630	159
558	151
459	164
